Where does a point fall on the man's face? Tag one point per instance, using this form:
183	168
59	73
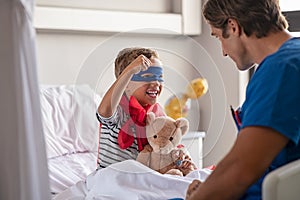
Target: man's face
234	45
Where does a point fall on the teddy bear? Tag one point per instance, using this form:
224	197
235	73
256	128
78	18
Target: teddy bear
162	154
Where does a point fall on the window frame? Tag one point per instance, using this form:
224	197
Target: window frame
184	19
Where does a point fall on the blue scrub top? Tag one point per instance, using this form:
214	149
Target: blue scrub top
273	100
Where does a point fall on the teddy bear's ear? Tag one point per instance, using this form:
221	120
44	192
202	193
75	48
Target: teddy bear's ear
150	117
183	124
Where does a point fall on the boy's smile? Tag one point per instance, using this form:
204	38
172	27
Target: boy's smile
145	92
152	93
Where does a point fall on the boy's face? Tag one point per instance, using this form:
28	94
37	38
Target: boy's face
147	85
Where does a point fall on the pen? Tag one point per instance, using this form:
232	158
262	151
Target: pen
236	118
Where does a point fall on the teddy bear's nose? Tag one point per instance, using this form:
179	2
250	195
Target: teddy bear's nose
163	141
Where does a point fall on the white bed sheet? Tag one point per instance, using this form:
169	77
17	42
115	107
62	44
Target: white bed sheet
67	170
133	181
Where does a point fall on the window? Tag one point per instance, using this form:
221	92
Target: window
291	9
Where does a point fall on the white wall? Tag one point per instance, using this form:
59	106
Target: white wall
218	142
68	58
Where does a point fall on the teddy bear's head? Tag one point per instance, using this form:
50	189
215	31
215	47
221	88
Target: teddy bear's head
164	133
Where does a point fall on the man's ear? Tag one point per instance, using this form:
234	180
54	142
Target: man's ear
234	27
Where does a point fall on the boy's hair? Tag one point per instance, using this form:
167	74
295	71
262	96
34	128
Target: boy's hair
127	55
254	16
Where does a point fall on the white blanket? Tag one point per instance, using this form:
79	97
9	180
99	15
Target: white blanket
133	181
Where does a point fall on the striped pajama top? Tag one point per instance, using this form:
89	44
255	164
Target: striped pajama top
109	151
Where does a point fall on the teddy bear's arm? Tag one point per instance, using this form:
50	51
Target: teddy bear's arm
145	155
147	148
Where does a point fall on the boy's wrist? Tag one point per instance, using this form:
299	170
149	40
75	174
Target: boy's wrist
128	72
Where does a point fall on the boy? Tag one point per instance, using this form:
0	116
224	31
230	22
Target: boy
123	108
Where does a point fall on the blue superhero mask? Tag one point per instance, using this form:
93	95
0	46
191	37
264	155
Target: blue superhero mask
153	73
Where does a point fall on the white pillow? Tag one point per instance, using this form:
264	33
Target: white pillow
69	119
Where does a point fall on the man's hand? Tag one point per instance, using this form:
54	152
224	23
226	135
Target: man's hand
192	188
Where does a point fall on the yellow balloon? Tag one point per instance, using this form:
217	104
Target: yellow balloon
176	106
197	88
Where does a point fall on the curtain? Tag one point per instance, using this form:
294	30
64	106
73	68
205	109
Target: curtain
23	168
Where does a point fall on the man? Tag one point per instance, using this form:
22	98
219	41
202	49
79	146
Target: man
254	32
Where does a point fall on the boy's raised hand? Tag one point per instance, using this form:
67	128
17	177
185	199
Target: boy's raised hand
141	63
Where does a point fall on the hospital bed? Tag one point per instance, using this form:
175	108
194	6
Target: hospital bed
71	135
